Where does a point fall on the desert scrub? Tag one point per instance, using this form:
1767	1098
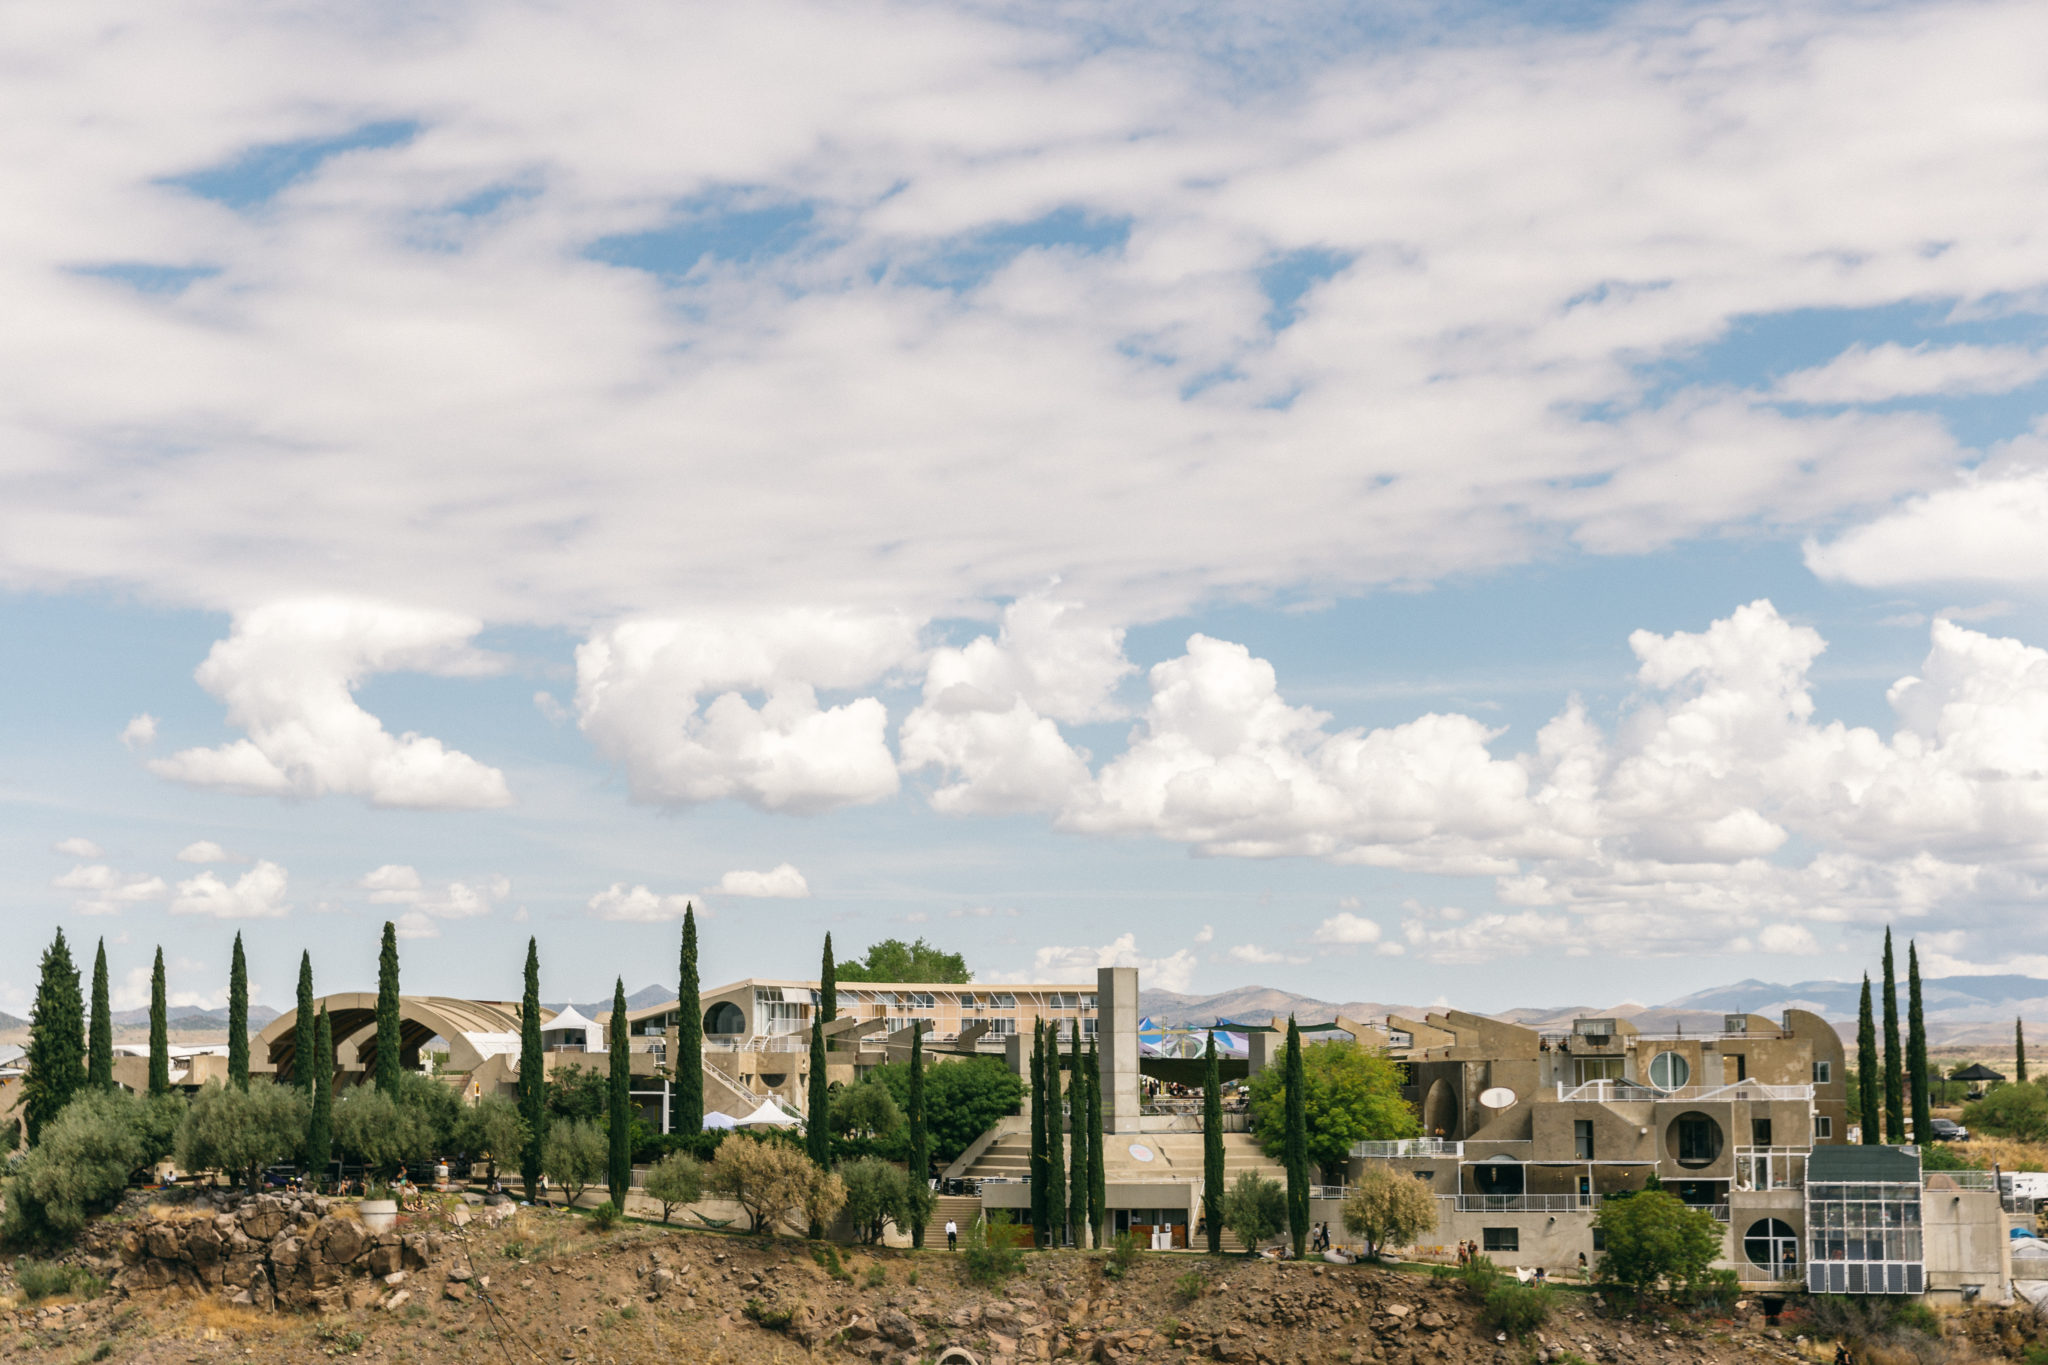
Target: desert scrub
774	1319
877	1277
1191	1286
605	1216
1123	1254
41	1280
1515	1308
989	1253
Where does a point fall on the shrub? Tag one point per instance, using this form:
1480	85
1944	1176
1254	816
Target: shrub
1515	1308
1654	1238
1478	1276
41	1280
1715	1289
1191	1286
1123	1254
574	1156
877	1194
371	1127
866	1110
774	1319
2014	1111
877	1277
989	1254
828	1261
85	1158
605	1216
1388	1208
676	1179
1254	1209
773	1182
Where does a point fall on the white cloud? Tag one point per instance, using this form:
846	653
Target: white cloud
108	892
287	673
639	686
1791	939
1985	528
1876	374
415	924
140	732
130	991
1206	934
207	851
1346	928
638	906
256	894
400	884
545	703
782	882
1485	938
1175	972
1263	957
392	884
981	912
78	847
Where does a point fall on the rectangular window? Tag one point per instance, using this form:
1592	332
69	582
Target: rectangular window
1734	1067
1500	1239
1599	1239
1596	1069
1823	1072
1696	1140
1582	1139
1823	1126
1759	1132
998	1028
1002	1000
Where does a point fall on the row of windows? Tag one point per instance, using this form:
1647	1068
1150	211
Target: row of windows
1770	1244
1671	1070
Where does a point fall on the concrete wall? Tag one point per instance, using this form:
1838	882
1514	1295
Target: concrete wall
1116	993
1964	1241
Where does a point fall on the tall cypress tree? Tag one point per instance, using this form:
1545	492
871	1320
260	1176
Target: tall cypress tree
619	1127
313	1057
1038	1178
56	1041
1296	1145
1077	1174
533	1094
159	1031
687	1105
1098	1180
302	1023
920	1140
2019	1049
1055	1141
1866	1070
1212	1145
388	1025
1894	1055
828	984
1916	1049
99	1064
238	1018
817	1123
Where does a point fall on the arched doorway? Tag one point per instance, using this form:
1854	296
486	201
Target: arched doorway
1772	1247
1440	1111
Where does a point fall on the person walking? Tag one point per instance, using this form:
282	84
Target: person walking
952	1235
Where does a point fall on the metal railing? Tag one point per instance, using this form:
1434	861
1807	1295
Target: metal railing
1327	1191
1771	1168
1637	1092
1400	1147
1524	1203
1961	1180
777	1042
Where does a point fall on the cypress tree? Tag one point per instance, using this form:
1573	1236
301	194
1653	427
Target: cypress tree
533	1101
619	1128
1038	1179
1916	1048
1055	1141
238	1018
817	1125
302	1023
1098	1181
388	1025
920	1140
1894	1055
316	1063
56	1041
1296	1146
1866	1069
99	1065
1077	1175
828	984
1212	1145
159	1031
2019	1049
687	1105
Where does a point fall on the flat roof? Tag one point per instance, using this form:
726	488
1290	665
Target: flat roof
847	987
1856	1163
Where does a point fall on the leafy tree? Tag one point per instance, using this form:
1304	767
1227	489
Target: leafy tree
2014	1111
159	1031
375	1129
962	1100
80	1166
579	1093
1077	1175
1894	1058
533	1088
920	1173
1294	1143
818	1106
1212	1145
1916	1048
877	1194
157	1118
894	960
774	1182
1866	1069
491	1128
619	1131
1254	1209
1652	1237
673	1181
687	1105
56	1041
1350	1094
302	1025
866	1110
99	1066
238	1018
1098	1180
1388	1208
239	1131
576	1156
317	1064
390	1025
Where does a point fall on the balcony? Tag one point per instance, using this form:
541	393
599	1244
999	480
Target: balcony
1635	1092
1524	1203
1406	1147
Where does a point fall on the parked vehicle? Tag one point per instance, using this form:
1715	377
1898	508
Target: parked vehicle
1947	1130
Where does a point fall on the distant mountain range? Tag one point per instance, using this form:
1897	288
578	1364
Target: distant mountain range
8	1022
638	1000
189	1018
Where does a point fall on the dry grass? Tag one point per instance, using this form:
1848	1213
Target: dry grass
2005	1153
179	1213
204	1315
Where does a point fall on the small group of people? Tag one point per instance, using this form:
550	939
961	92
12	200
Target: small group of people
1319	1237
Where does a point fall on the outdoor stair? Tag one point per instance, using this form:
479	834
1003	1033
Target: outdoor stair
961	1208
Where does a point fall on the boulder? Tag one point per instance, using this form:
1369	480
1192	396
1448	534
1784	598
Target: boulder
263	1217
900	1330
341	1240
162	1242
383	1260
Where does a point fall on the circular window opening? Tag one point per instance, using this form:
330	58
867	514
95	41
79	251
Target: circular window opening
725	1017
1669	1071
1772	1247
1695	1140
774	1079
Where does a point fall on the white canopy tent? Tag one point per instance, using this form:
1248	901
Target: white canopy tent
770	1115
714	1119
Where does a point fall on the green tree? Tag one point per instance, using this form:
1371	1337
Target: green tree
159	1031
619	1130
302	1023
1077	1174
818	1107
828	984
99	1066
1866	1069
390	1064
375	1129
1894	1055
1294	1141
1350	1094
1916	1048
1055	1141
157	1120
238	1018
492	1128
1388	1208
1040	1230
2019	1048
1098	1179
1212	1145
675	1180
86	1154
575	1157
582	1093
1254	1209
1652	1238
920	1135
894	960
238	1131
962	1100
687	1104
533	1085
877	1194
56	1041
316	1063
866	1110
2019	1112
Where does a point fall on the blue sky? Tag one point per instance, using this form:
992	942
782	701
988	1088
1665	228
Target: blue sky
1503	509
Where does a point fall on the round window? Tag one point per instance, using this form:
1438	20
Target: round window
1772	1247
1669	1071
724	1017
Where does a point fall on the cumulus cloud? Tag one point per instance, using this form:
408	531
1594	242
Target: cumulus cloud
130	990
1263	957
783	882
256	894
140	732
1347	929
637	906
1984	528
287	672
207	851
1790	939
1206	934
1174	972
78	847
400	884
1877	374
640	684
107	892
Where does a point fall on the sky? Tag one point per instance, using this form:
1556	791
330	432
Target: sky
1497	505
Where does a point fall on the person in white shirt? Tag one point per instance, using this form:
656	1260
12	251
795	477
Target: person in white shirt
952	1235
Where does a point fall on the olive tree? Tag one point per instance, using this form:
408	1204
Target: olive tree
773	1182
877	1194
240	1131
673	1181
87	1154
1388	1208
492	1128
376	1130
1255	1209
574	1156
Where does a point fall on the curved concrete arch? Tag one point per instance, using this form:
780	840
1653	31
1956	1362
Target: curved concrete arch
1440	1110
473	1029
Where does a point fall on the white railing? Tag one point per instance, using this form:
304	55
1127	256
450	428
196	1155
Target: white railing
1400	1147
1327	1191
1524	1203
781	1042
1770	1168
1635	1092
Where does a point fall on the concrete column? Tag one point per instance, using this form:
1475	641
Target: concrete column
1018	1057
1263	1049
1116	1012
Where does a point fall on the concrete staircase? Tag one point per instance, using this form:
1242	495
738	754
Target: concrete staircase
962	1209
